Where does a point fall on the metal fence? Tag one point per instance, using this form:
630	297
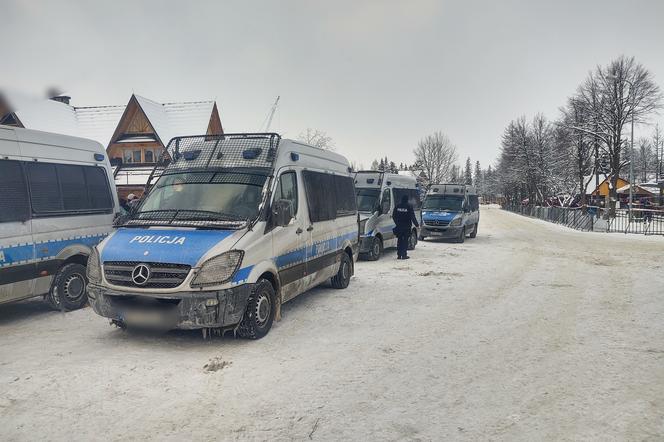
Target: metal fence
643	221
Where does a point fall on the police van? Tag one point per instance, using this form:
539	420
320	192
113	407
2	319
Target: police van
377	194
235	225
450	211
57	200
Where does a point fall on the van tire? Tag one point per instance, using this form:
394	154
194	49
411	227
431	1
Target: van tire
259	315
68	290
412	240
462	236
473	234
375	250
342	278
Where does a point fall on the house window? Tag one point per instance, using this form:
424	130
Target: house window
149	156
132	156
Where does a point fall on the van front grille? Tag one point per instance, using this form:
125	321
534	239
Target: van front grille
162	276
436	223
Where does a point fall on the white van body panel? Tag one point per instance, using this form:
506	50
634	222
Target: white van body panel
39	245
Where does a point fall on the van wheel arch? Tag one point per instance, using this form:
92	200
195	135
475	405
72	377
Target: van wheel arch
349	251
274	280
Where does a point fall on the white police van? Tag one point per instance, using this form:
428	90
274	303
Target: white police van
57	200
450	211
236	225
377	194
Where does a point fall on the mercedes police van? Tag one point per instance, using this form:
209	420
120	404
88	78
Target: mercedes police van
57	200
377	194
450	211
235	225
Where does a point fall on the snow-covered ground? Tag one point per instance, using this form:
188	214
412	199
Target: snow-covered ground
529	332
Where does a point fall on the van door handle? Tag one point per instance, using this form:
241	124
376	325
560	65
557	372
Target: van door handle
310	228
299	230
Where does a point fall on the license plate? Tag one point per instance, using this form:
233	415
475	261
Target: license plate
436	233
145	319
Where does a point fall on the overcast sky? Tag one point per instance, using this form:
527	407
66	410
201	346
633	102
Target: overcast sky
376	76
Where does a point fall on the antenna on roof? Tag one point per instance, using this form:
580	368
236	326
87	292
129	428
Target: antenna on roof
270	115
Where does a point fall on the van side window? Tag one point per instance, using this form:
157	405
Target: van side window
45	192
321	196
13	193
345	195
386	201
287	189
99	194
474	202
62	188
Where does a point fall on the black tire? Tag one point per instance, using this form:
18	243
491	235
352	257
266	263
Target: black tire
473	234
375	250
462	235
68	290
412	240
342	278
259	315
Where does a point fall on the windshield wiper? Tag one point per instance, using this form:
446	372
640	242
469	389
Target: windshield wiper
182	216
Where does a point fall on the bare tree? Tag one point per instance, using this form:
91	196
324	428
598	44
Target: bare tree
581	145
612	95
316	138
435	155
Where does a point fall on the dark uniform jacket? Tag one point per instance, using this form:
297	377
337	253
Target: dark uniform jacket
404	217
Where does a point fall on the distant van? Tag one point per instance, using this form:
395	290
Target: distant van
450	211
236	225
57	200
377	194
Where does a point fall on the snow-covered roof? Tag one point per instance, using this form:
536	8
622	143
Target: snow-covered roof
99	122
177	119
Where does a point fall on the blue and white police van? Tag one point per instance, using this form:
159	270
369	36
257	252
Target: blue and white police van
57	200
235	225
377	195
450	211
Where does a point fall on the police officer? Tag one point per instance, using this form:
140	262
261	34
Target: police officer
404	217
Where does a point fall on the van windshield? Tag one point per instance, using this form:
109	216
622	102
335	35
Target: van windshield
367	199
453	203
205	196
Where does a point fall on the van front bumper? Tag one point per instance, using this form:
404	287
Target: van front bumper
440	232
182	310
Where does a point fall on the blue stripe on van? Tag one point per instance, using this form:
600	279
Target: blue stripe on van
33	252
313	251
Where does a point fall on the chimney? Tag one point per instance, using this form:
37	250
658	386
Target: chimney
62	99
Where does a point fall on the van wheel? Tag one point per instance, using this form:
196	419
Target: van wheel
462	236
412	240
68	291
342	278
376	249
258	317
473	234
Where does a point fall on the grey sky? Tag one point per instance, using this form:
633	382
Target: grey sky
376	76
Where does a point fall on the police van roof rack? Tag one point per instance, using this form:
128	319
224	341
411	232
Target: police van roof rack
202	152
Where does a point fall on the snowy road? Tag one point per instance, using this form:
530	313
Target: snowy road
528	332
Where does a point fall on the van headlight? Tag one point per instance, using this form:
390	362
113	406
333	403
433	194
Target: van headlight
456	222
93	268
219	269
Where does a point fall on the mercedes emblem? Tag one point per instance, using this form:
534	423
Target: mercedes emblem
141	274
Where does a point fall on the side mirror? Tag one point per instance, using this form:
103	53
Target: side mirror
385	207
376	209
282	212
